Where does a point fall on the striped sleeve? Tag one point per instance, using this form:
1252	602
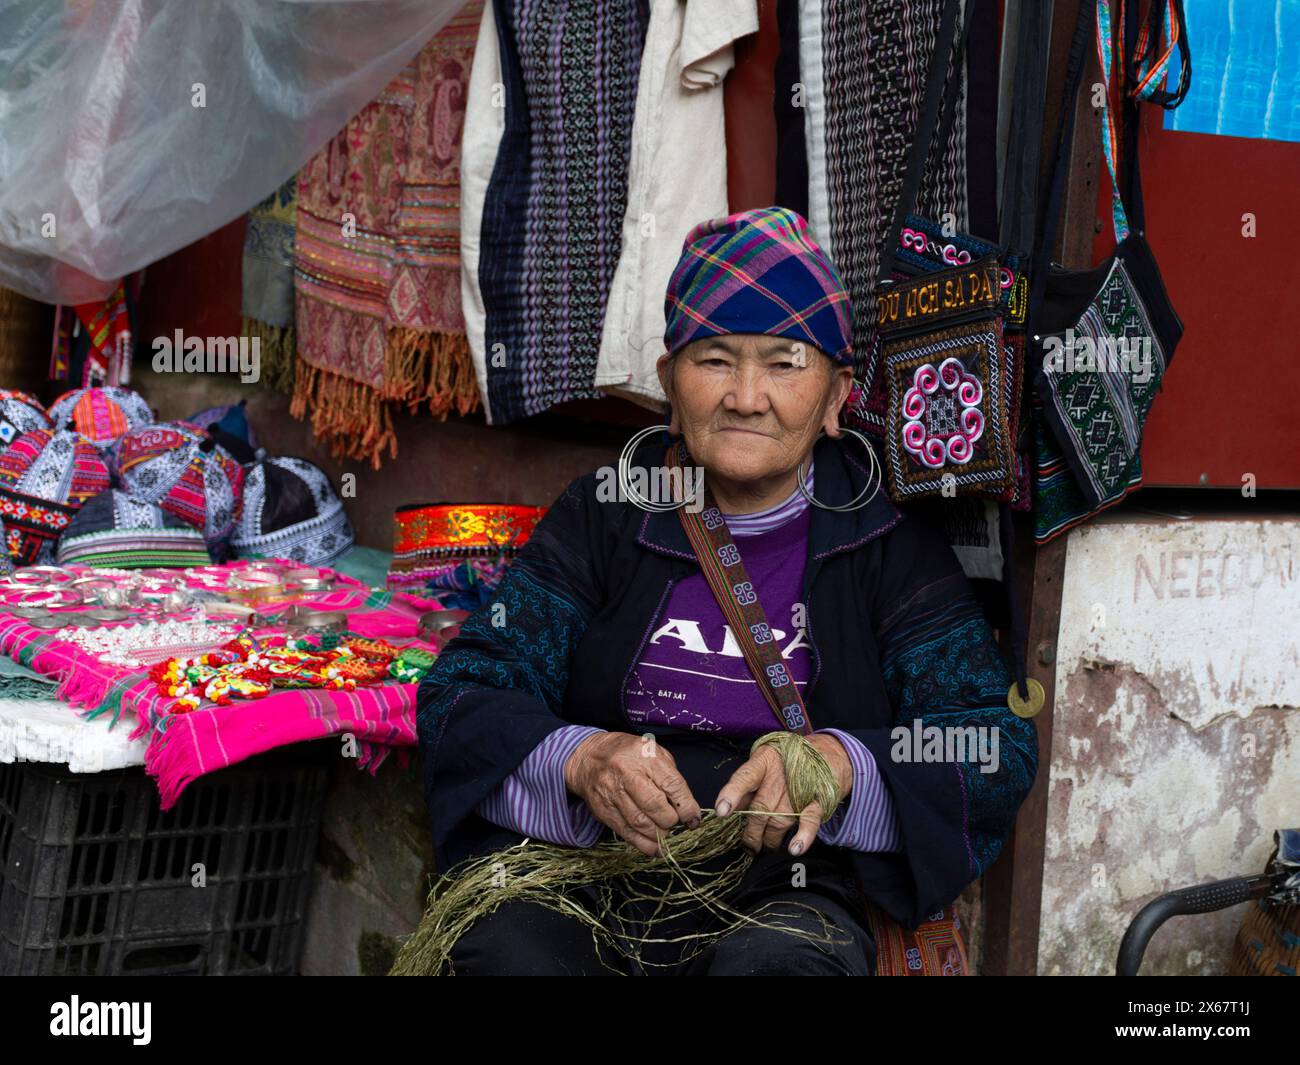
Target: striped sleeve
866	822
534	801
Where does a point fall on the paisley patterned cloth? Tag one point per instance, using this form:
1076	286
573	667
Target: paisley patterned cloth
376	255
184	471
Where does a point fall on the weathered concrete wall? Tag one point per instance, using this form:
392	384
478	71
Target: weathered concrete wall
373	869
1176	734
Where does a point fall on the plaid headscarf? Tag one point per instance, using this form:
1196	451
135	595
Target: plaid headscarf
757	272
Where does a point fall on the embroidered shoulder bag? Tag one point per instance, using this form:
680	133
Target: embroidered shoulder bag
937	946
1104	337
947	393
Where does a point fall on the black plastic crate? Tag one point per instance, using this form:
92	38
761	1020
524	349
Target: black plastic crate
96	880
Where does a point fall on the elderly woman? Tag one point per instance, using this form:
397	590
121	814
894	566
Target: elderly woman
606	631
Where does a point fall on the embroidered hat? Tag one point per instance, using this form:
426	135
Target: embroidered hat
45	477
113	529
291	511
446	545
19	413
757	272
185	471
231	419
102	415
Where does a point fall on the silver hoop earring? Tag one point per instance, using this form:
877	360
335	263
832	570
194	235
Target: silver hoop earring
625	480
857	503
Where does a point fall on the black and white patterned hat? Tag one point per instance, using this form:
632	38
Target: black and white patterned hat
113	529
291	511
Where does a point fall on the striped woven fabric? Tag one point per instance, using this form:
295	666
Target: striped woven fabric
552	227
101	415
758	272
179	467
1058	503
937	947
45	477
865	64
162	548
19	413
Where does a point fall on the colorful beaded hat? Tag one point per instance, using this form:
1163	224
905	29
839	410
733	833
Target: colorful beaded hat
102	415
115	530
19	413
432	539
45	477
186	472
291	511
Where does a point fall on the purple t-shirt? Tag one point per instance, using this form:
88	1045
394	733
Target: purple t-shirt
692	674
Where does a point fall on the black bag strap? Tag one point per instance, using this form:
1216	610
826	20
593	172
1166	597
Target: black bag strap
1146	45
938	110
1018	213
1141	43
1051	210
1130	168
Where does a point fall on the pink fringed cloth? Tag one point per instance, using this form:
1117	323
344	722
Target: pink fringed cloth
377	258
185	746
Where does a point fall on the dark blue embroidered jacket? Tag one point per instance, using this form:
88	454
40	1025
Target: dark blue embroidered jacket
896	635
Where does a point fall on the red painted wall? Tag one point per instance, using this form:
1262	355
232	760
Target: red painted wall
1230	400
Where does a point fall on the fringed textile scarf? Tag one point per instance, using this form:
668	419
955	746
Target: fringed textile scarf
268	283
377	260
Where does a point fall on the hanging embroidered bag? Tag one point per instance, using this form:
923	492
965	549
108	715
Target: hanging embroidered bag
1104	337
949	383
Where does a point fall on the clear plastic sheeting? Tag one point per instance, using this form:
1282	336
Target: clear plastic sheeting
130	128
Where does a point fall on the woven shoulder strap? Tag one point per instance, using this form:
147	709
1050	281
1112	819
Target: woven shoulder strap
719	559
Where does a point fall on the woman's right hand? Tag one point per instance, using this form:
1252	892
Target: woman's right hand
632	785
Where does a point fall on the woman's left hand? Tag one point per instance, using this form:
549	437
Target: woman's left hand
760	784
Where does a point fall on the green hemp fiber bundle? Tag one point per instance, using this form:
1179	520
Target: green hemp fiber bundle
675	879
